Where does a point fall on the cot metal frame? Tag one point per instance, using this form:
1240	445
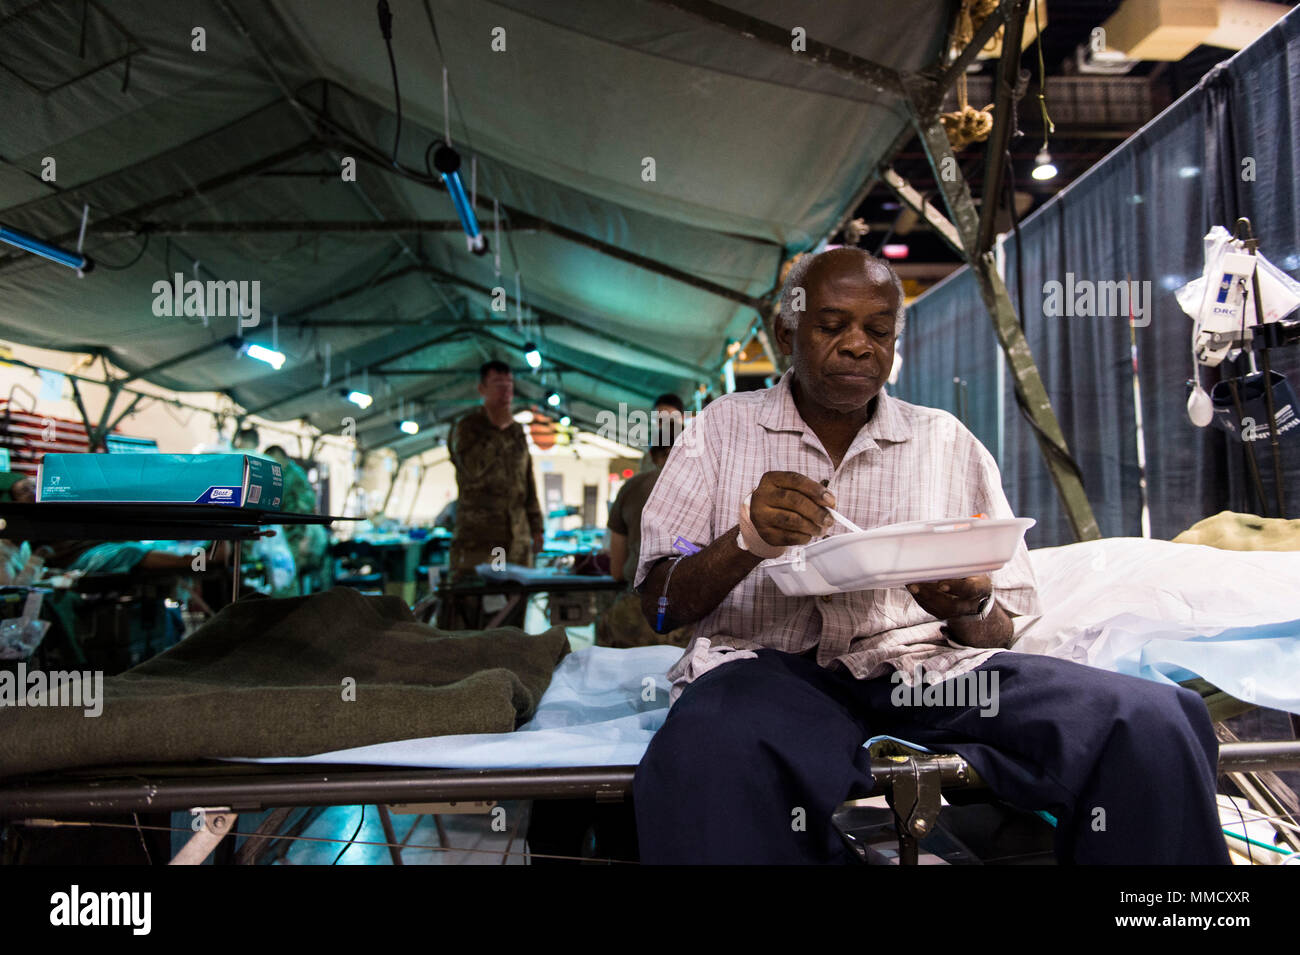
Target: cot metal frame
912	784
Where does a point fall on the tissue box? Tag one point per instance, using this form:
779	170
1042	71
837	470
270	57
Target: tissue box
236	480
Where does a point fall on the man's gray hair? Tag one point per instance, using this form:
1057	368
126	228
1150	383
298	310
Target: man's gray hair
878	270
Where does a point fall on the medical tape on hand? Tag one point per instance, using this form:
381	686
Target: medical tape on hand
749	537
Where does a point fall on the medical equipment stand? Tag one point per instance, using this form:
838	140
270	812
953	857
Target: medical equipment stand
1262	336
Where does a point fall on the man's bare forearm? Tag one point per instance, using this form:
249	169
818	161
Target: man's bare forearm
995	631
699	582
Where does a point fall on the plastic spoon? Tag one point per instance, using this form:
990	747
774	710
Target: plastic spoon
844	520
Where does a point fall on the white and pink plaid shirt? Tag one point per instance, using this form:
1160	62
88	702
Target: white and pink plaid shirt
908	463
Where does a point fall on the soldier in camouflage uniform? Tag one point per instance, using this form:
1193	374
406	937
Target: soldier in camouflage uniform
308	542
498	505
624	624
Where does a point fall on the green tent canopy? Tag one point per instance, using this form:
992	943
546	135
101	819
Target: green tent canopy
226	163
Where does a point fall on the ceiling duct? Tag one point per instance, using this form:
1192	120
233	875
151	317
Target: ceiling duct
1170	29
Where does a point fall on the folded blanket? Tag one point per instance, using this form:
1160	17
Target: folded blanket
294	676
1229	530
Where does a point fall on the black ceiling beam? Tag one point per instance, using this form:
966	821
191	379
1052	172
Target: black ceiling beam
1004	93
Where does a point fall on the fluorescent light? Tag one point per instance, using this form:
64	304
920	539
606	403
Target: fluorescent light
360	399
1044	168
273	358
566	421
553	399
894	250
409	427
29	243
532	356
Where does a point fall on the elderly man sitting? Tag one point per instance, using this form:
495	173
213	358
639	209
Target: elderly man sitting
778	694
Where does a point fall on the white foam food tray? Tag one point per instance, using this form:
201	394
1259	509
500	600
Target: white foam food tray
899	554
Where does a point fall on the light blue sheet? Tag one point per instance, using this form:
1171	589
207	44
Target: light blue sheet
1259	665
604	705
601	709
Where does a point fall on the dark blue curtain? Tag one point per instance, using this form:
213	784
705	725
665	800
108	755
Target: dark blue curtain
1139	216
948	336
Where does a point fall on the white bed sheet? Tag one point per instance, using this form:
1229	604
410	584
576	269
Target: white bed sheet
1153	609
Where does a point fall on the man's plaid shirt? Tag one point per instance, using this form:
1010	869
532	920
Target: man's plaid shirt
908	463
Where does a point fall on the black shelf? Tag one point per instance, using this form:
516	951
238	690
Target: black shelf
131	521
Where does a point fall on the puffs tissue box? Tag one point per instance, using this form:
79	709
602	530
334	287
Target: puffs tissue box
236	480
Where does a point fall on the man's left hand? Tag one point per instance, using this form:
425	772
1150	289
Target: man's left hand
945	599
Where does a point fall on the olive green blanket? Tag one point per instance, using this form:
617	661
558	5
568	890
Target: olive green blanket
293	677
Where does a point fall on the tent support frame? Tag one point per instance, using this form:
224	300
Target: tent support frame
922	94
976	236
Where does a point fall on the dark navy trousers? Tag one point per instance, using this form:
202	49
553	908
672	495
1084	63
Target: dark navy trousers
756	754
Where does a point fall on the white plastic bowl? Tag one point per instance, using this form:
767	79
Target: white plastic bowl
898	554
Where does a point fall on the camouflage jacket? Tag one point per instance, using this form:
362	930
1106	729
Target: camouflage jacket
498	504
307	541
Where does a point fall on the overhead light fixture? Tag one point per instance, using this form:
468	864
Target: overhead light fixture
359	398
269	355
894	250
447	161
29	243
1044	168
532	356
553	399
409	427
565	421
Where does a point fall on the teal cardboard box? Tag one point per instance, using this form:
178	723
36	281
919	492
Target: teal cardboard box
236	480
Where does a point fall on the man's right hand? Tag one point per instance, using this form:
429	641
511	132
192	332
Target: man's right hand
788	508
